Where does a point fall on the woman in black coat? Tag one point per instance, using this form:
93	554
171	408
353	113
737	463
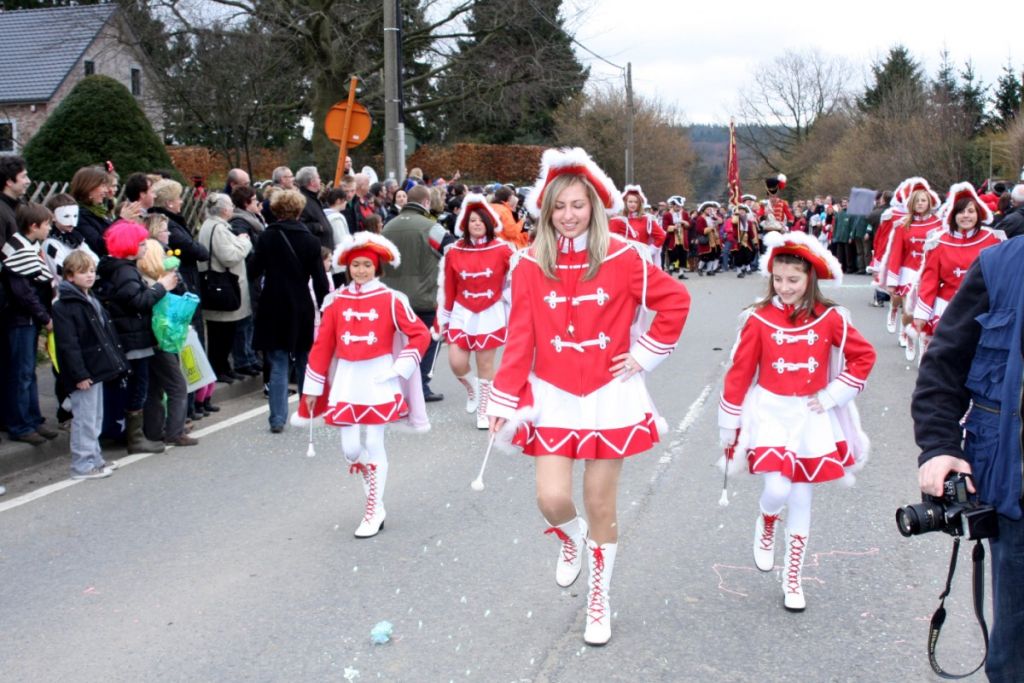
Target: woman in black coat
167	201
287	257
89	187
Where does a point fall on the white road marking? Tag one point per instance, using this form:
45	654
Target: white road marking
689	419
132	459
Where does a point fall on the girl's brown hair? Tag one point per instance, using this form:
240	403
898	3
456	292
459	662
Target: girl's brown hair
812	297
489	227
85	180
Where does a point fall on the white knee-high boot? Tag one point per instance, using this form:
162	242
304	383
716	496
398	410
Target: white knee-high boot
792	586
573	537
375	476
481	411
601	559
764	540
472	394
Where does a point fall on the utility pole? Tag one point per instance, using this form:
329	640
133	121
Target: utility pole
394	126
630	115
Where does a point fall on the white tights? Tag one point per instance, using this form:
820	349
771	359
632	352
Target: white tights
780	491
353	449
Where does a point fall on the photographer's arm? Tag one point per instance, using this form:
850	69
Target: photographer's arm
941	397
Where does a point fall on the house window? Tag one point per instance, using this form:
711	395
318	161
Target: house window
90	67
7	136
137	82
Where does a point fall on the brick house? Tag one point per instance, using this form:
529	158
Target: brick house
44	53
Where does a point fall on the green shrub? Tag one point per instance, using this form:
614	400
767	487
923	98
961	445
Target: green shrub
99	120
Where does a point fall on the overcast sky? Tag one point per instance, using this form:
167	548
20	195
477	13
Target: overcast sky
698	56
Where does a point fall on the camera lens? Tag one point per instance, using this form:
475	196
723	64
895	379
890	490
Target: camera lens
921	518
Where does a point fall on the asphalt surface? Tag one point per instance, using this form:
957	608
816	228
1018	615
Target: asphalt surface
235	560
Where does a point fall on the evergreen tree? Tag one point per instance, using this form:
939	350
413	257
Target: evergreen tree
520	66
944	87
1007	97
99	120
899	73
972	99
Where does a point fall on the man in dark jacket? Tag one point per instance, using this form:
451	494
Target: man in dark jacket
419	239
1013	222
307	179
14	180
287	256
974	366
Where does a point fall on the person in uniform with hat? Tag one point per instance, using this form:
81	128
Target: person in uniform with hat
787	399
949	254
676	224
776	213
709	244
364	365
638	225
571	384
472	311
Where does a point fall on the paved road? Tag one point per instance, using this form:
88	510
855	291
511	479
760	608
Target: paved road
236	561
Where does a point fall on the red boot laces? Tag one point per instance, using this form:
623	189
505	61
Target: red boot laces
369	473
796	552
569	549
596	607
768	534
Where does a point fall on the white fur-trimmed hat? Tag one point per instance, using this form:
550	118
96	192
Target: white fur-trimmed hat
363	243
572	161
804	246
638	191
476	202
908	187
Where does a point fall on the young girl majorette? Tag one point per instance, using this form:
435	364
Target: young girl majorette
787	402
569	381
473	312
363	365
709	245
906	253
634	224
949	254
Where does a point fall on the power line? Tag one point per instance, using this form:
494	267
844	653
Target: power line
572	38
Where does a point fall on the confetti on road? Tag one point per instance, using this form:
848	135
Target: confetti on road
381	632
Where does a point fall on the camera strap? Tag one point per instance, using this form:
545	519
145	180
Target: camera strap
978	581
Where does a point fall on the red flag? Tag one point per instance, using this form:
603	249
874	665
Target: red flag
734	167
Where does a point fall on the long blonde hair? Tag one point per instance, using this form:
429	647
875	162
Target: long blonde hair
910	206
546	243
152	262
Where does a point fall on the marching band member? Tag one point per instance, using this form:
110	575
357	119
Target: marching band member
709	244
637	225
473	313
906	252
364	366
570	385
787	401
949	253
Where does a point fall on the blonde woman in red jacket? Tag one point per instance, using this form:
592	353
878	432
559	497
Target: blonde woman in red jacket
571	383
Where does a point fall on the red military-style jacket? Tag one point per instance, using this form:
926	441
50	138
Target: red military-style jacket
475	276
643	229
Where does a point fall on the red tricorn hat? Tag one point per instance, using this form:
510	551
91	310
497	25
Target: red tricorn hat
574	161
805	246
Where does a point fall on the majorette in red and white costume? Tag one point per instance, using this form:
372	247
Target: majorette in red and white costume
639	226
474	295
779	367
949	253
555	385
364	369
906	254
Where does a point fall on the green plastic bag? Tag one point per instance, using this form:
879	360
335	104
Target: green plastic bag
172	316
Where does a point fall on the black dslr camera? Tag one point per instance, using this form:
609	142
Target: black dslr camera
956	512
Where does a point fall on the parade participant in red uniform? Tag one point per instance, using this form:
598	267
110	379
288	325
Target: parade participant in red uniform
355	370
473	312
949	253
709	244
906	253
636	224
787	397
747	244
570	383
777	214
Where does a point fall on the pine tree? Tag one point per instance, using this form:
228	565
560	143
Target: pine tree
944	87
522	41
1007	97
972	99
899	73
99	120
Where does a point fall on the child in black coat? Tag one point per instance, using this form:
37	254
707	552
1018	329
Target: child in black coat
88	354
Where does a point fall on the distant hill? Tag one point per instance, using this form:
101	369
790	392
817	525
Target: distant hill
711	145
